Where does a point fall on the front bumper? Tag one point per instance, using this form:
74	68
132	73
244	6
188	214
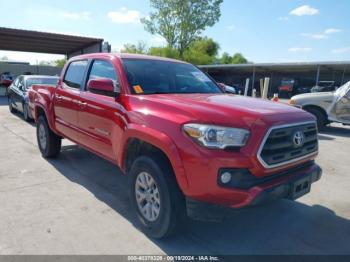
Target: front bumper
285	185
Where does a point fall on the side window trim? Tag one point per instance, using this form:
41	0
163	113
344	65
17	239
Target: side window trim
91	64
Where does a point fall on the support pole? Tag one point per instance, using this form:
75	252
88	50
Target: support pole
261	87
318	75
343	77
266	88
253	78
246	87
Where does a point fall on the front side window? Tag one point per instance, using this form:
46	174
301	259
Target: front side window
148	76
15	83
102	69
75	74
20	85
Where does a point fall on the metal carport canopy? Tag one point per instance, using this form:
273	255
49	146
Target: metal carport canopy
42	42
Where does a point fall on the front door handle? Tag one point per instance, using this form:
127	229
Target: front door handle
82	104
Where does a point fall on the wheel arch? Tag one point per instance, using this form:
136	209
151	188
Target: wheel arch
141	142
41	111
316	107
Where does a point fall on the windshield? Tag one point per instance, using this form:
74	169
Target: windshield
342	91
164	77
40	81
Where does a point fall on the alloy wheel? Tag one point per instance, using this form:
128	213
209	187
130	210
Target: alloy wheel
147	196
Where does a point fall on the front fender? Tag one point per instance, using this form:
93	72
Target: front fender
159	140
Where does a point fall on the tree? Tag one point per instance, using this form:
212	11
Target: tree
45	63
225	58
181	22
139	48
202	51
164	52
60	62
237	58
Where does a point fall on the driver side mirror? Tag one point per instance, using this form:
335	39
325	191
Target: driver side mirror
104	86
227	89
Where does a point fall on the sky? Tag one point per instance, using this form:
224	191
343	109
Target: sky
262	30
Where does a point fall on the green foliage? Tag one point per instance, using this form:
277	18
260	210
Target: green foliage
164	52
202	52
139	48
181	22
237	58
60	62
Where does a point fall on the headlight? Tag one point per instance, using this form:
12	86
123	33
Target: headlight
217	136
291	102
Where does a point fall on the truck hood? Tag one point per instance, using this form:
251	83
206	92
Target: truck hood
220	109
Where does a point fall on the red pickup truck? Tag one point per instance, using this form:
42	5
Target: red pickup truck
185	145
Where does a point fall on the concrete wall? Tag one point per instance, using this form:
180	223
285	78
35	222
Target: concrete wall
17	69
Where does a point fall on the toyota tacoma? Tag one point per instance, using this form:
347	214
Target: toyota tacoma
184	144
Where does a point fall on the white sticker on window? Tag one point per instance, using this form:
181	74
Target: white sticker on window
200	76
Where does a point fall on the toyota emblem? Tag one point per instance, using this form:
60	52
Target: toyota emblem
298	139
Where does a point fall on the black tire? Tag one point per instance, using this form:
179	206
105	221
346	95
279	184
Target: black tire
12	110
52	147
172	203
320	117
26	112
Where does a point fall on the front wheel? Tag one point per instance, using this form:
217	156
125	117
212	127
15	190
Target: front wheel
49	143
12	110
26	112
320	117
155	196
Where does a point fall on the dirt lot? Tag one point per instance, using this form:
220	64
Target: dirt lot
77	204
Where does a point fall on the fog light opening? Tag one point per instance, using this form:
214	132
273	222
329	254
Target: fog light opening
225	177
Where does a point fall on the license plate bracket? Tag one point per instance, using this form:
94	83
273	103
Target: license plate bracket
300	187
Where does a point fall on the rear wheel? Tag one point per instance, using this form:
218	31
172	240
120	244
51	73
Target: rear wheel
49	143
155	196
320	117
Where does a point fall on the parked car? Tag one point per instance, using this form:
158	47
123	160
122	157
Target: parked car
323	86
287	88
327	107
184	145
303	89
6	79
18	92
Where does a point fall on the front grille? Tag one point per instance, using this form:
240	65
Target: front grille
288	143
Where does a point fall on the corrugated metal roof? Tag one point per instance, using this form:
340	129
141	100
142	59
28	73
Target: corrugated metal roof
43	42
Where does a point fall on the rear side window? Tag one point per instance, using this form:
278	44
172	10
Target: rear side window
75	74
102	69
